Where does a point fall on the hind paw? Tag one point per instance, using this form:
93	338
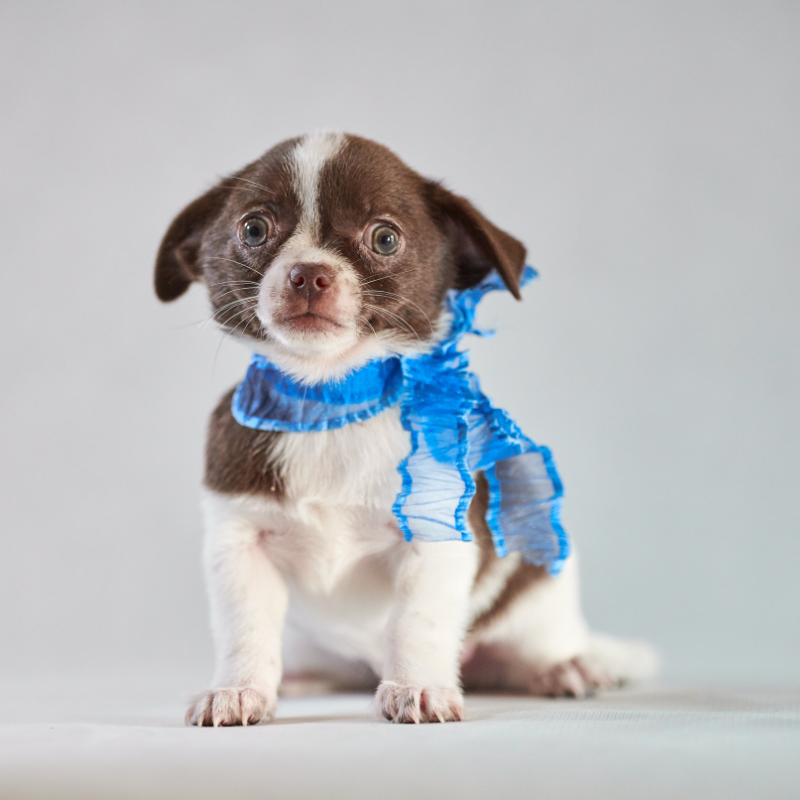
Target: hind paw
573	678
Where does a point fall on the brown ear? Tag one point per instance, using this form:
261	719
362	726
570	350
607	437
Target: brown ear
177	260
479	246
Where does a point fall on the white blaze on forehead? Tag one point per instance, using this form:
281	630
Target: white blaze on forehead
308	158
306	161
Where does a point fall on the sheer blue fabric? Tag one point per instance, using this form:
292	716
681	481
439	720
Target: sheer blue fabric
454	429
269	400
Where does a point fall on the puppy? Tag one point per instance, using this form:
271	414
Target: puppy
325	255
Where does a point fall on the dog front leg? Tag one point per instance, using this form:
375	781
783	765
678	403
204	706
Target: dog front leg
425	633
248	598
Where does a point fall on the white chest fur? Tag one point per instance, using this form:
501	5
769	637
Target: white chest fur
354	466
337	507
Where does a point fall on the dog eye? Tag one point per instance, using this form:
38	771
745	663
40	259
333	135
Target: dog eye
254	231
385	240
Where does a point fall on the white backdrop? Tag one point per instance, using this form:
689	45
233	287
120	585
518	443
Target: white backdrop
645	152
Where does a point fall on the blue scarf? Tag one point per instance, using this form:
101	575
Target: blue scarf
454	431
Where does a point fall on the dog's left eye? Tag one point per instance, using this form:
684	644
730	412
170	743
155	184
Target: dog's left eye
254	231
385	240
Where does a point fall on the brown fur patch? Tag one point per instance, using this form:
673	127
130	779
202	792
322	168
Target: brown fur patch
518	582
476	516
239	460
365	182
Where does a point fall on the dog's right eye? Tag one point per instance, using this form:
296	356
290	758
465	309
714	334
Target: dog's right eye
254	231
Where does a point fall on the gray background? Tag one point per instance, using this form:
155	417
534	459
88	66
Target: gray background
646	152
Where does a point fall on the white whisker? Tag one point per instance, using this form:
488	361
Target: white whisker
236	302
386	277
252	183
233	283
233	261
367	322
396	316
224	323
377	292
232	291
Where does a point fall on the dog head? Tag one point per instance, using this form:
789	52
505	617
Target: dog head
329	251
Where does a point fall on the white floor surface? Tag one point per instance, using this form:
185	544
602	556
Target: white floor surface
102	741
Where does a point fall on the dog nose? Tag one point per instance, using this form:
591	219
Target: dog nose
310	279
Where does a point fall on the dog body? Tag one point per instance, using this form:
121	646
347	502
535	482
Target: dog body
325	254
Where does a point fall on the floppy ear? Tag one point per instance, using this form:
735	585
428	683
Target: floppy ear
478	245
177	260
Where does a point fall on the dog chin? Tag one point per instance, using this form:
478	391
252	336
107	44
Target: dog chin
315	350
311	334
310	326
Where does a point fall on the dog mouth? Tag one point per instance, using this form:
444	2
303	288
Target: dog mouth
311	322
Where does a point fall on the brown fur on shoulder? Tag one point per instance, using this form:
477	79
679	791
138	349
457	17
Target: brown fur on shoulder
240	460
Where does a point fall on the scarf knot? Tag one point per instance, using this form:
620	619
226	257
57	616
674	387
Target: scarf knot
454	430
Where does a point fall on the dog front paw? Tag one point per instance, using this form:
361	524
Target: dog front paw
226	707
408	703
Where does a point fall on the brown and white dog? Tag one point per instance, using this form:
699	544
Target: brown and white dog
325	253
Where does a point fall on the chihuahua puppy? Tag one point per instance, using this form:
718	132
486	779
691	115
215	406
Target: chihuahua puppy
323	255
